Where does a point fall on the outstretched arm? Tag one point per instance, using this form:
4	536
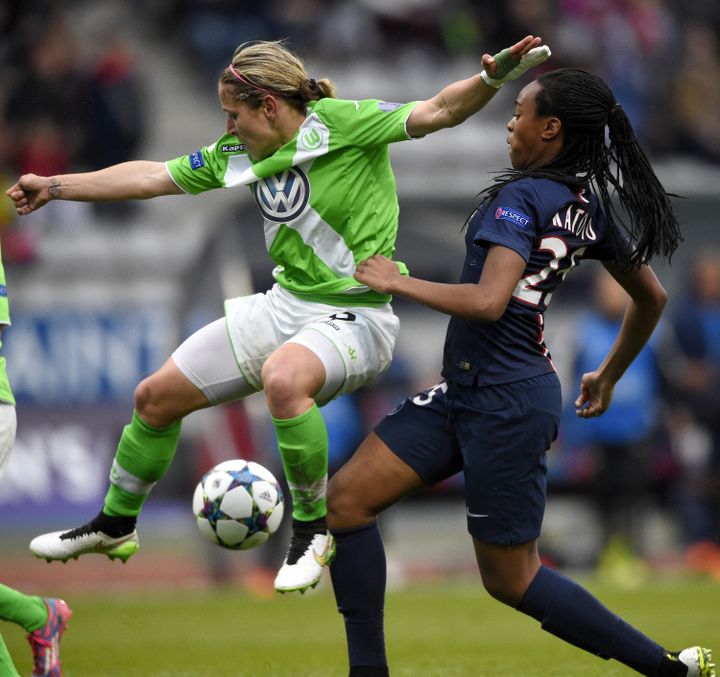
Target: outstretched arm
647	301
135	180
485	301
457	102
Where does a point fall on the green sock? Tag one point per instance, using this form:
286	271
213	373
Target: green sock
27	611
7	667
143	456
303	444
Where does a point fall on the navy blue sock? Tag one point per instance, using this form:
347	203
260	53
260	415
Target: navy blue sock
570	612
358	575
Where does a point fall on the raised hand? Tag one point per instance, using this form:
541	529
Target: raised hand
512	62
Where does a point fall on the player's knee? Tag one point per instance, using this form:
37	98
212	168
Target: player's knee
507	570
338	505
151	406
344	508
500	586
280	383
505	584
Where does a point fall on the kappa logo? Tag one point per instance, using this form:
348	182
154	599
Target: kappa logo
311	139
232	148
284	196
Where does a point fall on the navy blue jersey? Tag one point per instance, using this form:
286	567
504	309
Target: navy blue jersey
553	229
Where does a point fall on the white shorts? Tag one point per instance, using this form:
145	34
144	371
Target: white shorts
355	344
8	427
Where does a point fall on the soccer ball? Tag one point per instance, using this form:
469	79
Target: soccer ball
238	504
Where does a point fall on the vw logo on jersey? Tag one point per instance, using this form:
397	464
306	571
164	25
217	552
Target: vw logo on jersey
284	196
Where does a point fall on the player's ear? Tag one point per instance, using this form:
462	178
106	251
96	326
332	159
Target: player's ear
270	106
552	128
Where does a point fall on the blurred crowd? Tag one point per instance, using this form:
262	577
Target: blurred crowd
658	445
73	97
660	57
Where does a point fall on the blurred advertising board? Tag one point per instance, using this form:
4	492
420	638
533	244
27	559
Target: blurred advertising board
73	375
73	358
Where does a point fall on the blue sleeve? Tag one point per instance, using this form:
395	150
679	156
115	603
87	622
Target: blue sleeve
511	219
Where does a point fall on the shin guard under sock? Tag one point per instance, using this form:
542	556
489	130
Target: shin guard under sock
303	445
358	575
143	456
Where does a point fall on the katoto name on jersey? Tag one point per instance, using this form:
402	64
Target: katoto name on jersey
577	221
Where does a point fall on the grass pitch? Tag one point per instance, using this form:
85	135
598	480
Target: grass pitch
441	629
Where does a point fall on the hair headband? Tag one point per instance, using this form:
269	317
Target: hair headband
250	83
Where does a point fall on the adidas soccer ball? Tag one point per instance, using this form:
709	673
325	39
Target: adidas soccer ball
238	504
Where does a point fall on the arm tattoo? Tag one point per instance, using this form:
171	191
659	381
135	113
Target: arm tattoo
446	106
54	189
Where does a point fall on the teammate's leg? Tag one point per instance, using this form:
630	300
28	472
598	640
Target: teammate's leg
44	619
201	372
7	667
373	479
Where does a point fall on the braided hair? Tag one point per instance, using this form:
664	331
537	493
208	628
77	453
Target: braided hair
585	106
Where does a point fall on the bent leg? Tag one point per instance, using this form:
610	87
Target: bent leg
373	479
27	611
292	376
148	443
202	371
514	575
507	570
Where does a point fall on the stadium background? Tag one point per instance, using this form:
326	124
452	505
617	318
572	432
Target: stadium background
100	295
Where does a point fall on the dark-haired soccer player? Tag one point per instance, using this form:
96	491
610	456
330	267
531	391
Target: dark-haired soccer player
496	412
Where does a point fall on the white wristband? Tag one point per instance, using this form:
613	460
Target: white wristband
491	82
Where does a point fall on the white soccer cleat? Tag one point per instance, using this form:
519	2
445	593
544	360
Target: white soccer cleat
303	565
63	545
698	661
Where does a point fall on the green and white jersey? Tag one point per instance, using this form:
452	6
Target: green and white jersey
6	394
328	196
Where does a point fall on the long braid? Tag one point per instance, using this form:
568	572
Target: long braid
585	106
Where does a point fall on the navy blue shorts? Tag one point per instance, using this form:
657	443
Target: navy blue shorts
497	436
